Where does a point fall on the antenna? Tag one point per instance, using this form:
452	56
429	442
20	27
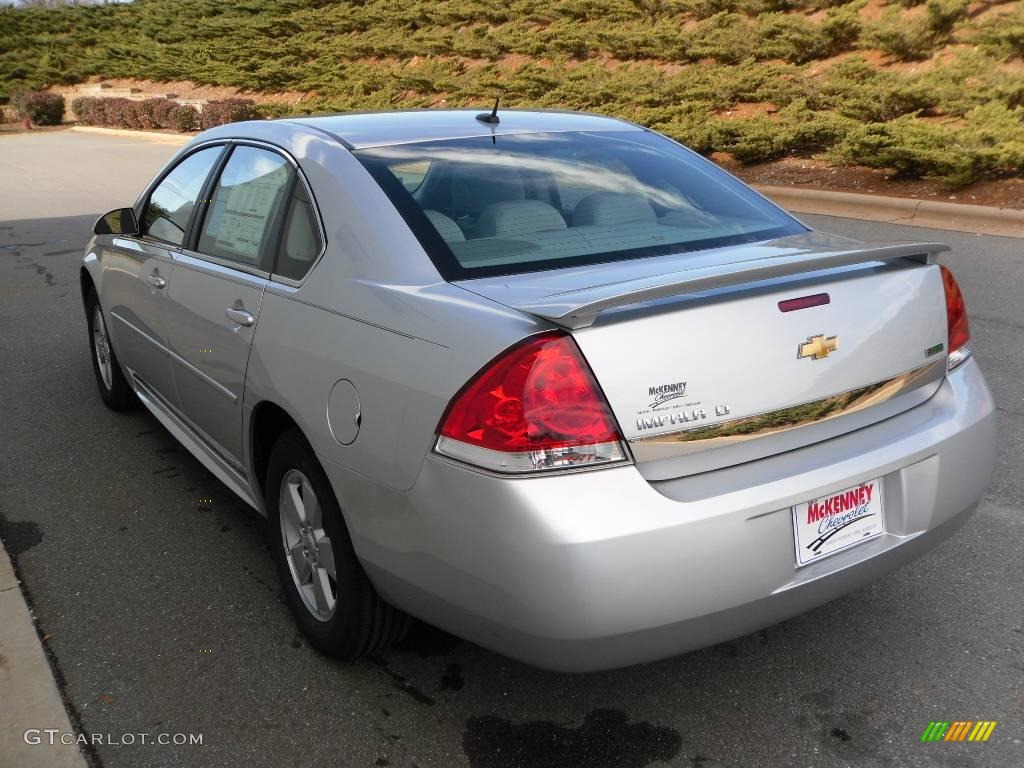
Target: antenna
492	117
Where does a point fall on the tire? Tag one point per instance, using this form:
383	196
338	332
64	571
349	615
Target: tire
113	386
344	618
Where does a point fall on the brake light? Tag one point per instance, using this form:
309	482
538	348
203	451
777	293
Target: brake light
536	406
804	302
959	333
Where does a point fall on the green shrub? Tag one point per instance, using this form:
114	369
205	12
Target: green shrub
794	130
942	15
1003	34
991	142
910	148
272	110
41	107
916	38
907	42
858	90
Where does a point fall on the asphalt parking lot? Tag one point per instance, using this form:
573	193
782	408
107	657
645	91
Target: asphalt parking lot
162	612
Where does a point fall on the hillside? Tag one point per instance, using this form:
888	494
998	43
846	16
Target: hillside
929	89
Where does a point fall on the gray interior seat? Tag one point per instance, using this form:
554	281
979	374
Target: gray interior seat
473	189
446	228
518	218
612	208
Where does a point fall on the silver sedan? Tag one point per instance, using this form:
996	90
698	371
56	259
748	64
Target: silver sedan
549	381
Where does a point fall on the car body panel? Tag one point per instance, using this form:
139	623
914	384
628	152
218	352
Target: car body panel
555	571
738	354
210	352
136	309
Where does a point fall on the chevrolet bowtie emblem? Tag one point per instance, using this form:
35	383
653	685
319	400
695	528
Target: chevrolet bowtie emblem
817	347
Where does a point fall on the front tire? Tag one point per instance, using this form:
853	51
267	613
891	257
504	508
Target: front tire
113	386
327	589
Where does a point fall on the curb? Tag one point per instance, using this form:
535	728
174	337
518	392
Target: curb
979	219
30	697
163	138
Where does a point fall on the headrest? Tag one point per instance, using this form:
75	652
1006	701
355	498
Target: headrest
446	228
473	189
610	208
516	218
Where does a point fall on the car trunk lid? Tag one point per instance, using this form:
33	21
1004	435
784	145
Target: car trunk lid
704	369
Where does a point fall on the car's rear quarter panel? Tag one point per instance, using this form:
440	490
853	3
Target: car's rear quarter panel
373	311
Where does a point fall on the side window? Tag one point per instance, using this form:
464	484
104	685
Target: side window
300	240
243	207
171	203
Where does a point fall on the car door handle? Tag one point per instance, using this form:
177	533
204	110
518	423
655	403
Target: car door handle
156	280
240	316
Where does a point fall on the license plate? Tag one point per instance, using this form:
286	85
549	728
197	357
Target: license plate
838	521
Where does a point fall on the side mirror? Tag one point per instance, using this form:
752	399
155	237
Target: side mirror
118	222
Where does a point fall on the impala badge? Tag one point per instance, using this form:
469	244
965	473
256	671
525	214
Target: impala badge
817	347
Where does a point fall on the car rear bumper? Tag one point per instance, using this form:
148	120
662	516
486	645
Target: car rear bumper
595	570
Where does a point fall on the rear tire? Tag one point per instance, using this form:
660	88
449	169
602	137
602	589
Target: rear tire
332	599
114	388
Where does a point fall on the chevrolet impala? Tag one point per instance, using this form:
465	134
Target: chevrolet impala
549	381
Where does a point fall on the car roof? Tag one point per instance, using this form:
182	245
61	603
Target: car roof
375	129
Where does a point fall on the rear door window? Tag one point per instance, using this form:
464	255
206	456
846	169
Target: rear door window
244	207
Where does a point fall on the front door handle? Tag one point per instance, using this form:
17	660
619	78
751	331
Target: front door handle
156	280
240	316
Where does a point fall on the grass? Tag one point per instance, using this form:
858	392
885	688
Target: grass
834	77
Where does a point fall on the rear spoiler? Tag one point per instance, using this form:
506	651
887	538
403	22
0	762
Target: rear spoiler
580	307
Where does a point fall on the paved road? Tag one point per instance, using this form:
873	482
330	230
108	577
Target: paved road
161	607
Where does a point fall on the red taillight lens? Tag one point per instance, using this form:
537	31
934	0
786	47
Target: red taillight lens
956	316
537	406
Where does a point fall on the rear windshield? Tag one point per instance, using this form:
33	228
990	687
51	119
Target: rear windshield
526	202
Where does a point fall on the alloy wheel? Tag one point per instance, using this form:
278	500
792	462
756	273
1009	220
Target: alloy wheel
101	347
307	546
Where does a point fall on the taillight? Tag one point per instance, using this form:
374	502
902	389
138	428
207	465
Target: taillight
536	406
956	319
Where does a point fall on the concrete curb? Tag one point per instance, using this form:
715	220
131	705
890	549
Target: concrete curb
979	219
163	138
30	697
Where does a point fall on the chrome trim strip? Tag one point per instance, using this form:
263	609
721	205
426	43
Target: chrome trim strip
300	174
231	270
227	471
521	463
957	358
139	331
227	142
178	358
746	428
204	376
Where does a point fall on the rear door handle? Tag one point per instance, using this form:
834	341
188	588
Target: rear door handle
240	316
156	280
